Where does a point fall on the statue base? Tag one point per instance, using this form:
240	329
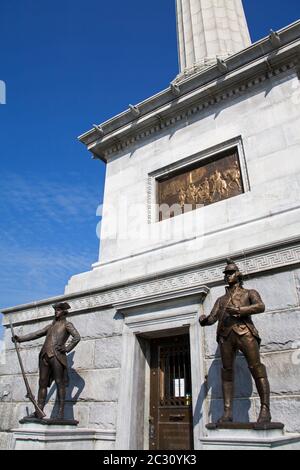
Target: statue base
256	426
49	421
249	436
51	434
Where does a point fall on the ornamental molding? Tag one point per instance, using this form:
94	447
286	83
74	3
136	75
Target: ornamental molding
197	158
198	291
193	104
189	281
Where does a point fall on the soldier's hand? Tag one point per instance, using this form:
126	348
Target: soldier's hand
202	319
233	311
16	339
61	349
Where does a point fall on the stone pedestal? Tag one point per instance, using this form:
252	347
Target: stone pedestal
42	436
249	436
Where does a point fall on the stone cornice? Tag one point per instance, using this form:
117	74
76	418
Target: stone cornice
199	91
168	284
198	291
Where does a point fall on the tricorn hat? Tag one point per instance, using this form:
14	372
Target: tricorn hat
231	266
62	306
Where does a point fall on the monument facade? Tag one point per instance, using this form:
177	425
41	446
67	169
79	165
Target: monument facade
206	169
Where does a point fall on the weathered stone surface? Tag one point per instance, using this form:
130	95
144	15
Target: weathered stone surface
104	445
108	352
100	385
99	324
278	290
20	410
6	413
267	142
297	281
283	371
11	413
9	364
287	411
5	441
290	130
82	357
279	331
6	386
29	358
103	415
19	389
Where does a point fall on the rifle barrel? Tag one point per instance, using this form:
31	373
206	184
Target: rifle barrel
29	394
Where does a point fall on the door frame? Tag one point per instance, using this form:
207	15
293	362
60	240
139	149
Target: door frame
143	321
156	382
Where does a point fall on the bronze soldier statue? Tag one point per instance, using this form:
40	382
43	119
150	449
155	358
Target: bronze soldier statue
52	358
236	331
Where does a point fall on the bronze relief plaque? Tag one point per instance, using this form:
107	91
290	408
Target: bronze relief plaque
209	182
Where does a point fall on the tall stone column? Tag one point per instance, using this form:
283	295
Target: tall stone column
209	29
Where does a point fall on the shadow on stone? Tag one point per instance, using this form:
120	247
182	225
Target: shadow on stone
73	392
242	394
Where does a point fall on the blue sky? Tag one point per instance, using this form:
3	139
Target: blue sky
68	64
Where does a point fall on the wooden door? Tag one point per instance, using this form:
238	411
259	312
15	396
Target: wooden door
171	418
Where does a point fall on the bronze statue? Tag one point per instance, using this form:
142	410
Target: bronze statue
236	331
52	358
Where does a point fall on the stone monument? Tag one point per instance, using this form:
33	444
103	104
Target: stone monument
222	139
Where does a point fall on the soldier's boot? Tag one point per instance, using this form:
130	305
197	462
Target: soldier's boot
42	395
227	386
61	395
263	387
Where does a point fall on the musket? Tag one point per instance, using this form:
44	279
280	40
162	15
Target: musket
39	413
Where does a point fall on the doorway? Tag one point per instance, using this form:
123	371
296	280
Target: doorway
171	416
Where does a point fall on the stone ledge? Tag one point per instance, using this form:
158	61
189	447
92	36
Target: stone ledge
254	439
262	259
